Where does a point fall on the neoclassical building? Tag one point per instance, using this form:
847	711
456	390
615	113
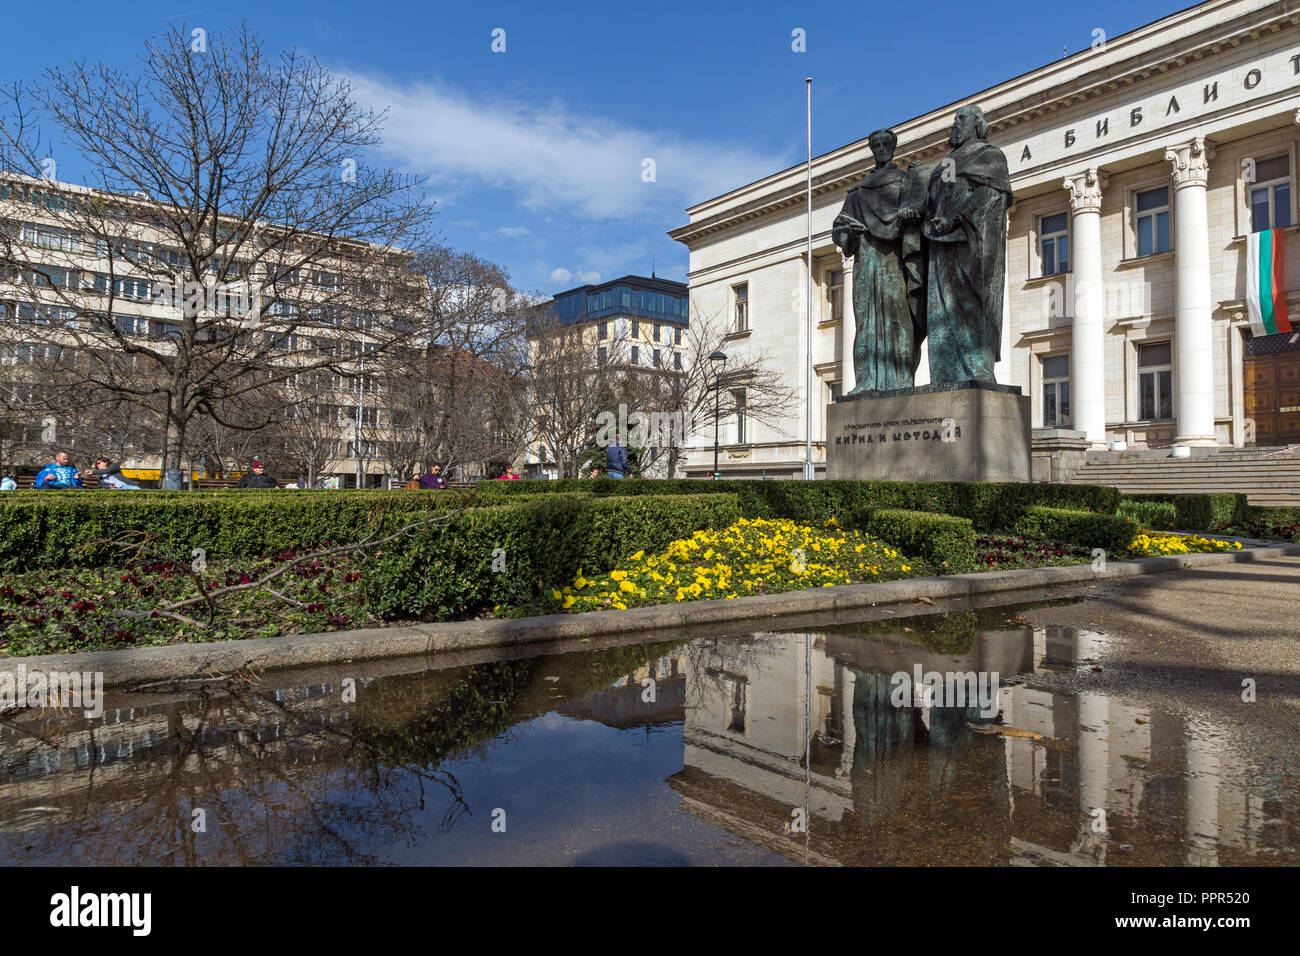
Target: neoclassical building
1140	167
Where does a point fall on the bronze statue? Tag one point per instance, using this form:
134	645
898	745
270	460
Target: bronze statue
879	228
968	195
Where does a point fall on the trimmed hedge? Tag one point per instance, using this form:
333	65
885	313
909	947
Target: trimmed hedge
945	542
436	576
1276	514
1202	511
1110	532
50	529
989	505
1157	515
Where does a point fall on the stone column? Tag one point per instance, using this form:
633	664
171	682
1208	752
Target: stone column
848	328
1193	332
1088	331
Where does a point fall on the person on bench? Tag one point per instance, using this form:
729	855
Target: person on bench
110	476
60	474
257	478
433	479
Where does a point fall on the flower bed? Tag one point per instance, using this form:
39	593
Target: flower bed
1004	552
752	556
97	608
1153	544
1282	527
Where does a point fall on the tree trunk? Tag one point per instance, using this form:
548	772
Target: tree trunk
171	463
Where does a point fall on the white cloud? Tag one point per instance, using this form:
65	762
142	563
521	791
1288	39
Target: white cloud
581	277
553	159
514	232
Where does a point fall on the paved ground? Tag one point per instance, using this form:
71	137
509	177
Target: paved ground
1186	640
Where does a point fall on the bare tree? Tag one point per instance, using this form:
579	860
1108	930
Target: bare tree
305	429
701	394
231	235
573	379
459	400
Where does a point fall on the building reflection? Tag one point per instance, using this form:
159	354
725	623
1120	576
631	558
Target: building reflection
1079	779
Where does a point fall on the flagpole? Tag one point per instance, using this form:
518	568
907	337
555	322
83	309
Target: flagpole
808	471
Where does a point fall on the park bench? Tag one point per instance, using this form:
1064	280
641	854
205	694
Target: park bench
216	484
28	482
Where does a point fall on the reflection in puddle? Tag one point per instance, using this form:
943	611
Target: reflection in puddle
774	748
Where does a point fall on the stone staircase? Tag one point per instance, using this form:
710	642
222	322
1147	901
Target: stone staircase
1268	476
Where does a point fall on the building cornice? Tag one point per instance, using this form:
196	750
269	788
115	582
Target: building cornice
1045	91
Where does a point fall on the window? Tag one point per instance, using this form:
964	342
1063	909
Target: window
677	336
658	359
50	237
1153	221
636	329
1155	380
1054	244
603	331
739	396
1056	390
658	327
677	360
602	355
636	355
740	315
1270	194
835	292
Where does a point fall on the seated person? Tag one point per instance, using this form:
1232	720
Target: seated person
433	479
110	476
60	474
257	478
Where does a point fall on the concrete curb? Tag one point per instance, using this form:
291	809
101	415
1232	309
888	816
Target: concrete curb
144	664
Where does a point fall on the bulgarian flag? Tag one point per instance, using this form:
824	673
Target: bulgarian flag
1265	290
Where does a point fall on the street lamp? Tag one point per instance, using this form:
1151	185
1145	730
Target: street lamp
719	360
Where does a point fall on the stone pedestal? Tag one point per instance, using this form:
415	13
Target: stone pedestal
931	433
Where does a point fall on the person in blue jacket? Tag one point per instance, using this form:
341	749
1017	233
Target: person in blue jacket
615	460
60	474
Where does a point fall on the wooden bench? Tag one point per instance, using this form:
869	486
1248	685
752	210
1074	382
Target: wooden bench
28	482
216	484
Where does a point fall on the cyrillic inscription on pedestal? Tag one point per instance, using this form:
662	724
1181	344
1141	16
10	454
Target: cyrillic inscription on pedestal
964	434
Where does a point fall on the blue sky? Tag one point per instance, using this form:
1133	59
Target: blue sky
535	155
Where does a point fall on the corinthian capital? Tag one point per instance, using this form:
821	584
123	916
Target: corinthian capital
1085	190
1191	163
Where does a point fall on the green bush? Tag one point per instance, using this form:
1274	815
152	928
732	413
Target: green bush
1286	516
1157	515
51	529
1201	512
543	542
945	542
990	505
1111	532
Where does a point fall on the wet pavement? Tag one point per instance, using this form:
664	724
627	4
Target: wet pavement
798	747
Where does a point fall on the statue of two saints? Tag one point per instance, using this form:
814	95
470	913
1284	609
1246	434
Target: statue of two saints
929	260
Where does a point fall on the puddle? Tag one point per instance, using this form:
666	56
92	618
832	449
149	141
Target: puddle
775	748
